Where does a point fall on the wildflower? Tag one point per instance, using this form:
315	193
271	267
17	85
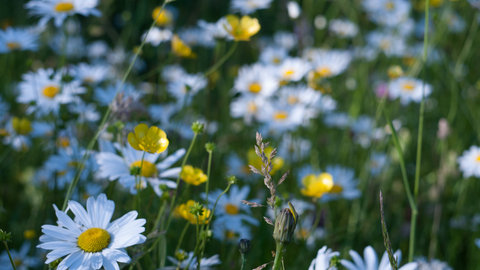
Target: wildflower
386	42
215	30
163	19
371	261
408	89
244	246
126	167
152	140
317	186
59	10
194	176
286	40
46	91
93	241
197	36
247	107
29	234
19	131
469	162
293	69
20	258
343	28
294	148
207	263
241	29
86	112
387	12
330	63
433	264
344	184
285	225
322	262
394	71
256	80
156	36
249	6
184	211
179	48
91	74
128	92
17	39
339	120
186	87
293	9
273	55
378	163
256	161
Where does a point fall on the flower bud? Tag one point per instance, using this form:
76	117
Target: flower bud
4	236
231	179
244	246
198	127
285	225
210	147
394	72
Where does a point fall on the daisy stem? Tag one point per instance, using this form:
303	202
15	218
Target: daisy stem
138	180
222	60
180	240
278	257
159	215
244	260
9	256
413	222
210	153
91	144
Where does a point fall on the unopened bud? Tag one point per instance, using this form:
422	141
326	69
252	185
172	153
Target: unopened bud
244	246
232	179
210	147
395	72
197	127
285	225
4	236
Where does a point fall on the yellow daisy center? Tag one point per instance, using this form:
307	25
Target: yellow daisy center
230	235
73	164
255	87
292	100
64	7
303	233
50	91
390	5
280	116
29	234
17	262
94	240
324	71
384	44
3	132
63	142
12	46
276	60
408	86
61	173
336	189
148	169
88	80
251	107
288	73
478	158
231	209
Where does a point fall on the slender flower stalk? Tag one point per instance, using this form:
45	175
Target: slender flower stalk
386	238
101	127
138	181
9	256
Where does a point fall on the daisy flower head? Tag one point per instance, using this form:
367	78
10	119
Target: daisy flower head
59	10
207	263
20	258
256	79
223	230
185	87
408	89
105	96
469	162
126	166
286	40
330	63
295	148
45	89
273	55
216	29
370	261
92	241
316	185
293	69
17	39
19	131
362	128
86	112
72	46
433	264
378	162
91	74
281	116
241	28
238	167
388	13
197	36
156	36
339	120
390	44
344	184
322	261
343	28
249	6
247	107
173	73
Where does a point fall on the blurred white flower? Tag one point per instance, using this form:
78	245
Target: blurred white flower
469	162
293	9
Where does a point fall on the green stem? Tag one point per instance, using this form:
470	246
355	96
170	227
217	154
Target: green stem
138	181
180	240
91	144
315	223
222	60
159	215
244	260
9	256
278	257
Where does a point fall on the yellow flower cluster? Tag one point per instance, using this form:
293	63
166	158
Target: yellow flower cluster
165	18
194	176
183	211
21	125
179	48
242	29
152	140
315	186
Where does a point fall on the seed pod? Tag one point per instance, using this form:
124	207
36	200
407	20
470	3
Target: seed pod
244	246
285	225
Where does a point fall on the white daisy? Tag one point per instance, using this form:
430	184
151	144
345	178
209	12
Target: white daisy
294	10
97	49
71	46
273	55
224	230
105	96
322	262
47	91
86	112
345	184
378	163
293	69
408	89
293	148
285	40
186	87
433	264
238	167
91	74
371	261
157	36
249	6
93	241
256	79
17	39
206	263
339	120
59	10
20	258
162	113
388	13
19	135
388	43
246	107
113	167
362	129
469	162
173	73
216	30
314	101
343	28
280	116
196	36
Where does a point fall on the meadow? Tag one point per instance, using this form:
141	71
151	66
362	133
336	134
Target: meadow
239	134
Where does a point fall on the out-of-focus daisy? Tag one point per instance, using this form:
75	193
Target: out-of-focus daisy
173	73
124	168
92	241
408	89
249	6
293	69
46	91
362	129
207	263
256	79
388	43
216	29
17	39
4	108
281	116
225	230
157	36
86	112
105	96
19	131
378	162
294	148
97	49
273	55
340	120
455	23
434	264
344	184
388	13
293	9
285	40
343	28
91	74
313	101
238	167
304	228
162	113
371	261
59	10
322	261
20	258
247	107
196	36
186	87
469	162
71	46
